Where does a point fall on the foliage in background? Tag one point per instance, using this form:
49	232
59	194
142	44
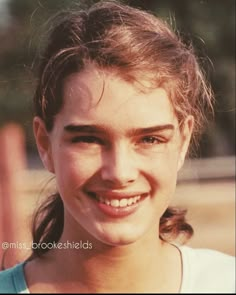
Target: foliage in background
210	24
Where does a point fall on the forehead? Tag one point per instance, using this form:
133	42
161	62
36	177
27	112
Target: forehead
94	95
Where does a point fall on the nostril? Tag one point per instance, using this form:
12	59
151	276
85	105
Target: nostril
120	179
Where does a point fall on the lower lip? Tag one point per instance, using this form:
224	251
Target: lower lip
118	211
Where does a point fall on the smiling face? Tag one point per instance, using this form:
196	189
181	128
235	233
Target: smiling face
115	149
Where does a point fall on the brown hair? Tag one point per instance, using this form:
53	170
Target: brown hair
131	42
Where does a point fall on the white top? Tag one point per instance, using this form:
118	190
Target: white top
204	271
207	271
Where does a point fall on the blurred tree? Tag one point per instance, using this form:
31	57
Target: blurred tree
210	24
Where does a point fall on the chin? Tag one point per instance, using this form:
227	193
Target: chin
116	238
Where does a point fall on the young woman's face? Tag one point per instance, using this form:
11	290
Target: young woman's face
115	150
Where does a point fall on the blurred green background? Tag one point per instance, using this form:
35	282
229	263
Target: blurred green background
209	24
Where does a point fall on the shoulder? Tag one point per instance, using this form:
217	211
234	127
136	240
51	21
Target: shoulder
12	280
208	270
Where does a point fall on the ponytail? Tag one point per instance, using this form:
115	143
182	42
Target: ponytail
47	224
173	224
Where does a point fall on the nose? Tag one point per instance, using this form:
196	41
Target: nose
119	167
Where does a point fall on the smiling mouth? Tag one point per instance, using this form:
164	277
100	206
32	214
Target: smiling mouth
118	203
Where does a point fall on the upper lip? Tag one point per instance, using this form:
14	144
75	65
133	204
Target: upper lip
117	195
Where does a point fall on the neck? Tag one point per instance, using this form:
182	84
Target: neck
146	266
138	267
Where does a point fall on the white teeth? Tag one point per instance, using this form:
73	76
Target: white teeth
115	203
123	202
106	201
130	201
119	203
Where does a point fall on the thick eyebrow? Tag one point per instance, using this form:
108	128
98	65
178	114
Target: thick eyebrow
152	129
96	129
85	128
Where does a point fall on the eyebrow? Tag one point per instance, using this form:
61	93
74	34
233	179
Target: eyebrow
100	129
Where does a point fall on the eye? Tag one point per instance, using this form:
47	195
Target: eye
86	139
151	140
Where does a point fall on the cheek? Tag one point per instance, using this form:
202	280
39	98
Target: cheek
73	170
165	165
163	174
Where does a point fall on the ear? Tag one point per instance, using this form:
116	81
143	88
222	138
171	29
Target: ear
186	134
43	143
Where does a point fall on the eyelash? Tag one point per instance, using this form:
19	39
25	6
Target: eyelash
146	140
86	139
152	140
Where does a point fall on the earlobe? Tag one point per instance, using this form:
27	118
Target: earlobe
43	143
186	137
